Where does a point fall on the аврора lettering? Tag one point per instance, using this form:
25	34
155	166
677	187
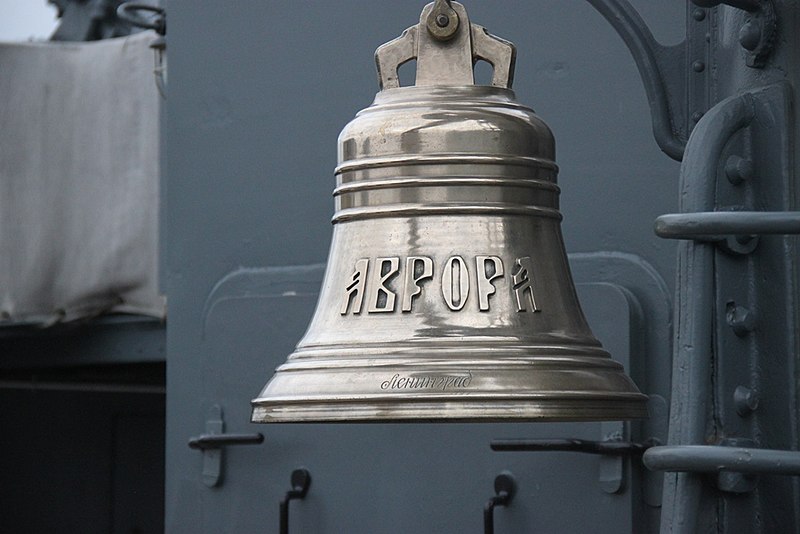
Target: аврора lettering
372	279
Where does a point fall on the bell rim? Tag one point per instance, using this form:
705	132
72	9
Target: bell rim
488	353
591	407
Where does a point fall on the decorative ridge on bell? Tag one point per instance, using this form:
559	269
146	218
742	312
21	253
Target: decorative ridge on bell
447	295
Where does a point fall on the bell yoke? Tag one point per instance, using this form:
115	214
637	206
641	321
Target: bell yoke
447	295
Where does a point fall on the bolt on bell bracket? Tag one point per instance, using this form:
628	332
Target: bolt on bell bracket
446	54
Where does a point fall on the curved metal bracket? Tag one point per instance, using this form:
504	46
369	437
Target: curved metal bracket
663	68
665	95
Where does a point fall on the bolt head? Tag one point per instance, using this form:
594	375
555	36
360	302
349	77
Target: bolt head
750	35
738	169
745	400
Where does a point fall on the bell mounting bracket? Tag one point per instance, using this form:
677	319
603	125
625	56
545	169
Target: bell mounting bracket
446	46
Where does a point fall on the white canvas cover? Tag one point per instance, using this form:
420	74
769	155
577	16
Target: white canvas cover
79	180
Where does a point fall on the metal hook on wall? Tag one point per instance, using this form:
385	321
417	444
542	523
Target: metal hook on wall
301	480
504	488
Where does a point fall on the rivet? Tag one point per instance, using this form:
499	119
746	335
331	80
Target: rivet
699	15
699	66
442	20
745	400
739	318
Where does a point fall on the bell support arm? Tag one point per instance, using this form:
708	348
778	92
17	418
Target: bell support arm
661	69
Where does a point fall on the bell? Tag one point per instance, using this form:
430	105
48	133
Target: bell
447	295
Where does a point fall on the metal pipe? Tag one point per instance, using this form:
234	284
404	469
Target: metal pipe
692	361
712	459
711	226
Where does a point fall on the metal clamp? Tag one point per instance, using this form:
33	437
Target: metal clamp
301	480
212	442
504	488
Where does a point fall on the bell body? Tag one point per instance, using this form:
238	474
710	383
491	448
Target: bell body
447	295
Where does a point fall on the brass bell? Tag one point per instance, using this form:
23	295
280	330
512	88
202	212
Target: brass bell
447	295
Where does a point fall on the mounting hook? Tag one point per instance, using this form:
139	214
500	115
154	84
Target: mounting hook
504	488
301	480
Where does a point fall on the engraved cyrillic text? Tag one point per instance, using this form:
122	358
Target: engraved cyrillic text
439	382
382	298
523	290
489	268
354	292
418	268
385	281
455	283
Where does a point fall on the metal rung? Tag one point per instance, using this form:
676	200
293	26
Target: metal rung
713	459
717	225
